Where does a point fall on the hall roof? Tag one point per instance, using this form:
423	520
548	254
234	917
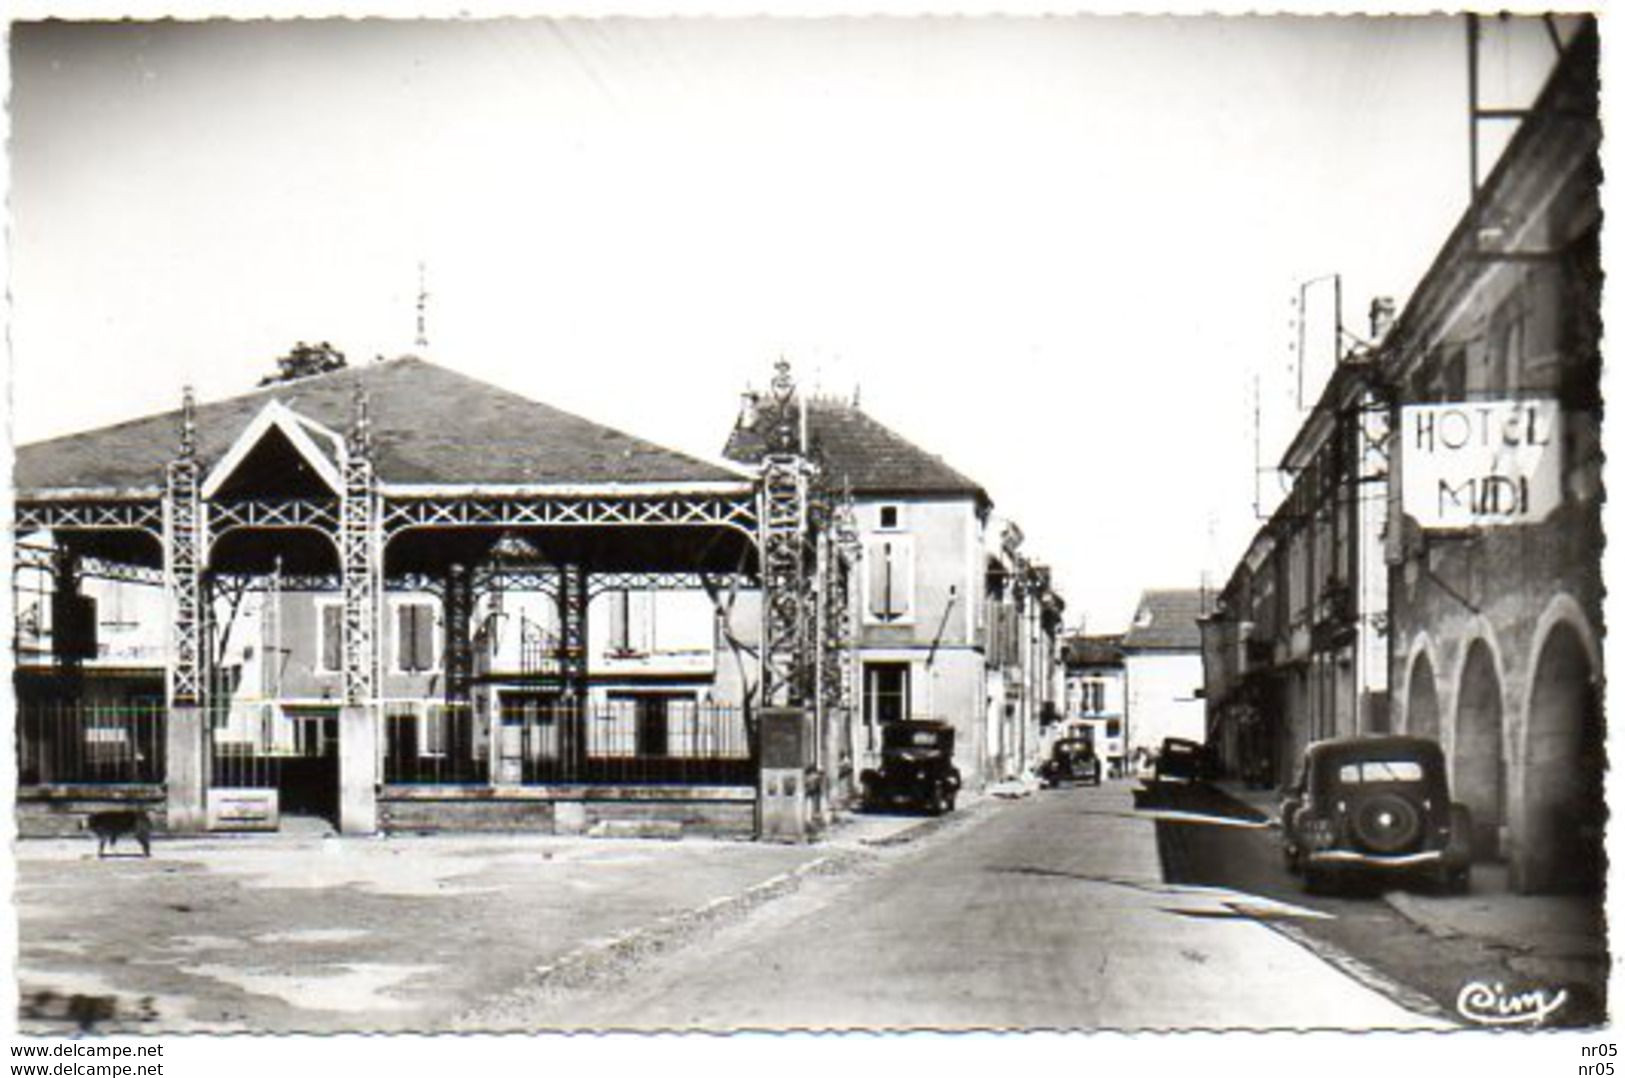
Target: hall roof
856	449
431	427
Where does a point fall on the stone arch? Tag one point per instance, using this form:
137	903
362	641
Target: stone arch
1563	806
1422	693
1478	754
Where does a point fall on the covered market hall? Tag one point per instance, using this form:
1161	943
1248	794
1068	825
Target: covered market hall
394	597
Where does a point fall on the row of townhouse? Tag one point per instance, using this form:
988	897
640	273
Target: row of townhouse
568	628
1437	567
1128	691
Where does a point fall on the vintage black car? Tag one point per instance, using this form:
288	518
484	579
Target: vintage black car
916	768
1375	806
1180	760
1071	759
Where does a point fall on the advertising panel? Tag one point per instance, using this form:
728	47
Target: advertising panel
1472	464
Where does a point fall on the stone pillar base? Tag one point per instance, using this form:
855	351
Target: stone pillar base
358	770
185	780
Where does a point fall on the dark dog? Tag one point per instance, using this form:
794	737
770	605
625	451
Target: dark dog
111	826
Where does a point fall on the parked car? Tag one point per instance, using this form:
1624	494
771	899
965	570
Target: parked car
1375	806
1071	759
916	768
1180	760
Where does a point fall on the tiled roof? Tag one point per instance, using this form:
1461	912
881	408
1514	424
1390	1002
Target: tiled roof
1165	620
430	425
1095	650
854	449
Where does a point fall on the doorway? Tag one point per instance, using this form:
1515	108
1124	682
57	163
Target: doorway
1564	787
308	780
1480	772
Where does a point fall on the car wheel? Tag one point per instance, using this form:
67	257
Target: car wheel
1387	823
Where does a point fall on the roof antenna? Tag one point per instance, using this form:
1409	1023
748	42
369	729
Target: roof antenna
422	341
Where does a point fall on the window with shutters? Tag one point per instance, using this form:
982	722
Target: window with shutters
631	622
889	580
415	650
330	636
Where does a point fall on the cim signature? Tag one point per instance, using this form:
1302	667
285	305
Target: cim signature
1490	1005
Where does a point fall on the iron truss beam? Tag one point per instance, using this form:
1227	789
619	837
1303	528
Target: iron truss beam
105	569
543	579
738	511
330	583
599	583
147	516
319	513
43	559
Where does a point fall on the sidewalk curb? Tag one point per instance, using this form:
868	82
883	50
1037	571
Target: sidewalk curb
1345	963
929	826
1402	904
590	962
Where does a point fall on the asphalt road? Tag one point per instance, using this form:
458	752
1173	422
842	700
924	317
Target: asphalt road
1048	913
1356	921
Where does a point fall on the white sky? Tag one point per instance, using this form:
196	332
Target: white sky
1053	251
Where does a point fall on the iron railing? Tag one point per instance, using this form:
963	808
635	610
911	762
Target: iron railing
543	740
72	741
432	742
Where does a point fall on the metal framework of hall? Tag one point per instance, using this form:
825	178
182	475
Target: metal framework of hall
779	528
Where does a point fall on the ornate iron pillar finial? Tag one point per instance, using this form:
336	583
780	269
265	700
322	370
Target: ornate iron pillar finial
188	424
361	422
422	340
783	384
783	420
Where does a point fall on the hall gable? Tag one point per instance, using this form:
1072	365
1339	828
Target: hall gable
282	454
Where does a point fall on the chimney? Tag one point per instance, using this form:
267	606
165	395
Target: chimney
1382	318
747	410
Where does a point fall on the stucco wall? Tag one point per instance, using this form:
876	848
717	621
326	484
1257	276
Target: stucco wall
1162	698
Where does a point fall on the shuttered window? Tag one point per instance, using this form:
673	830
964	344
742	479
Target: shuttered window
890	582
330	637
631	622
414	638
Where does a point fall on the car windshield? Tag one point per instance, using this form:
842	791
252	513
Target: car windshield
1381	771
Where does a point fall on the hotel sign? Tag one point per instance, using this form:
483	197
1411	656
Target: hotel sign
1472	464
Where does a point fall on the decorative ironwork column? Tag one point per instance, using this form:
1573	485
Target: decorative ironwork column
459	613
839	626
71	636
788	598
573	597
361	559
185	540
361	565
